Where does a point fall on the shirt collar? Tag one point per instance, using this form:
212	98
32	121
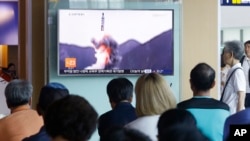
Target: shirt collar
202	96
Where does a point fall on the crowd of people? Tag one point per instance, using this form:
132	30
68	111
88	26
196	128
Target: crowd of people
156	116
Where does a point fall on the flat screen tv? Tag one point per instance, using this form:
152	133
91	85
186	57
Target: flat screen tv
104	42
8	22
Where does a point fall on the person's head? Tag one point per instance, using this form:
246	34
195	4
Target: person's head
71	118
222	64
11	66
182	133
119	89
175	116
247	48
153	95
49	93
202	77
18	92
124	134
233	50
178	125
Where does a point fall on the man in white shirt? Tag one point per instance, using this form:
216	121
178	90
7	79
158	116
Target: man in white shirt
235	87
245	62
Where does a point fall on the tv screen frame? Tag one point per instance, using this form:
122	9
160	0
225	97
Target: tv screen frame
9	22
130	42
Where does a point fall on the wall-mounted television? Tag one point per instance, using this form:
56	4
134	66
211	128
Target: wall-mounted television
126	42
8	22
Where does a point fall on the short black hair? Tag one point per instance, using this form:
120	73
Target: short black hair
178	125
174	117
72	118
124	134
182	133
202	76
119	89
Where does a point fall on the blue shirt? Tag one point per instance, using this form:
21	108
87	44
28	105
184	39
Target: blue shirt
209	113
40	136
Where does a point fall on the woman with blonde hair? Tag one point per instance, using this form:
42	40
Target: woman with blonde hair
153	97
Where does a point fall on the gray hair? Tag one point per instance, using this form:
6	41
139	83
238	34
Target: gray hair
18	92
235	47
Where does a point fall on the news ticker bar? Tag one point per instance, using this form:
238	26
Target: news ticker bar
114	71
235	2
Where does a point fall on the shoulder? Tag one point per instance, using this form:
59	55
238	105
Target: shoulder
185	104
241	116
203	103
242	59
219	105
107	114
144	120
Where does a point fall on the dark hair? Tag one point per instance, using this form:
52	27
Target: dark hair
50	93
247	42
124	134
18	92
119	89
235	47
72	117
222	64
182	133
10	65
202	76
173	117
178	125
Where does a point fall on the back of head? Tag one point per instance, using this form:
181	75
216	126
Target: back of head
202	77
49	93
182	133
72	118
153	95
124	134
18	92
175	117
178	125
119	89
235	47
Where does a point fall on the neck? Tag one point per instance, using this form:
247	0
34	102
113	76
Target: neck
202	93
113	104
19	108
234	61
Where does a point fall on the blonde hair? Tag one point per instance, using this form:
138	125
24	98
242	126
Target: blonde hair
153	95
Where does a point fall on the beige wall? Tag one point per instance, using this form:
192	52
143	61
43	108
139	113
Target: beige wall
199	39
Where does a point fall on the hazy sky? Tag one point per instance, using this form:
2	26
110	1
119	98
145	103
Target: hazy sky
80	26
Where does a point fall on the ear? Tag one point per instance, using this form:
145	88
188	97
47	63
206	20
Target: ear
191	84
213	84
112	103
232	54
39	110
30	101
130	99
8	104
